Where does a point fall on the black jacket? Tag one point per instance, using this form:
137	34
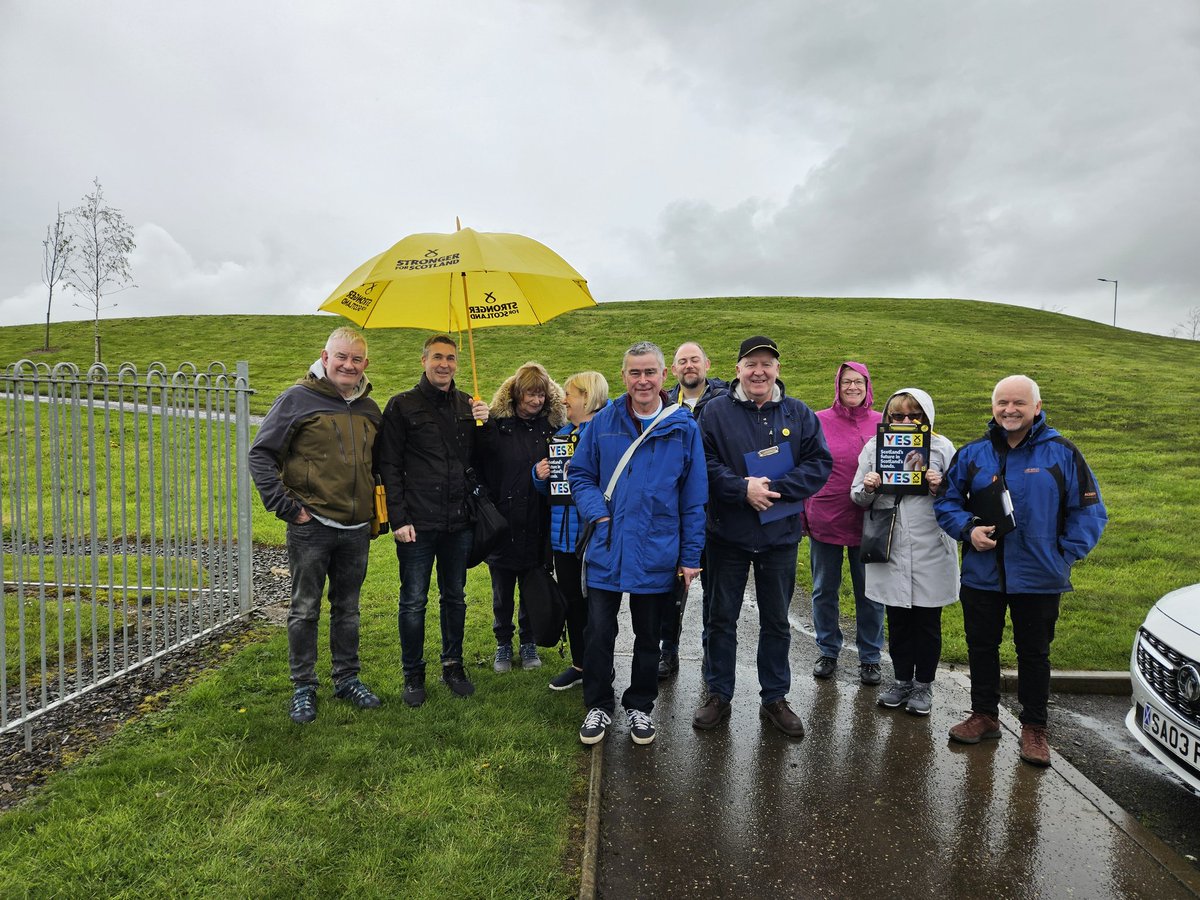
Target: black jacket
425	478
509	451
713	387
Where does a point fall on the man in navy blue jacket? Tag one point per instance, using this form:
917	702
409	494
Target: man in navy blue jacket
1059	518
745	431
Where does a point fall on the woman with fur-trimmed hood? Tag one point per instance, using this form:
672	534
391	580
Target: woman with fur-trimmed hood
527	408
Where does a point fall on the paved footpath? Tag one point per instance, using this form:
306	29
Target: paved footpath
870	803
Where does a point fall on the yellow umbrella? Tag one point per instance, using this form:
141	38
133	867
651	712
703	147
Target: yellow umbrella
468	279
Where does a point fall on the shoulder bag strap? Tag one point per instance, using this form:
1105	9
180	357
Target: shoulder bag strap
624	461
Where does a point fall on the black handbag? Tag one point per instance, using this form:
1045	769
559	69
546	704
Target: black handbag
879	523
489	529
544	604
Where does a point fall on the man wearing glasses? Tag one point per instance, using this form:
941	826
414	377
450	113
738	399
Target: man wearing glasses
834	522
766	456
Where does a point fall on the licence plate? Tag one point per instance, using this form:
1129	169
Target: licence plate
1182	742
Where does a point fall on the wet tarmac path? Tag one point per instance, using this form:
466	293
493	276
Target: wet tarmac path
871	802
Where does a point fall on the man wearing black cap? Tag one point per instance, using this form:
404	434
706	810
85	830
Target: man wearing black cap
765	454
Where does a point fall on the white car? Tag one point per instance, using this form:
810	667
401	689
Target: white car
1165	670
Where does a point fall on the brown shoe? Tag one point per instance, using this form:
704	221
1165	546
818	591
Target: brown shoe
782	717
1035	750
975	728
711	713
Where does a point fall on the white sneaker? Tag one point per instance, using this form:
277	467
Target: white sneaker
595	726
641	726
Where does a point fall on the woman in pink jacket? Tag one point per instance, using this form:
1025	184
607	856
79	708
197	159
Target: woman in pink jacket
835	525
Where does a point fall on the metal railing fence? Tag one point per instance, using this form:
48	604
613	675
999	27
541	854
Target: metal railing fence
122	500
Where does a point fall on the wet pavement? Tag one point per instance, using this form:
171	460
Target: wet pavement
871	802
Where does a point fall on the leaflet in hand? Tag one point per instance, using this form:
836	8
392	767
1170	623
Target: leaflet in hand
773	462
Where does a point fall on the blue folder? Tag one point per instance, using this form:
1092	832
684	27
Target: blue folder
773	462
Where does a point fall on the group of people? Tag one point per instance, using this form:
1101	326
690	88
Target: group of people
708	480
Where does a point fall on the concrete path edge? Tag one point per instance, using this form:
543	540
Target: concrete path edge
591	827
1171	861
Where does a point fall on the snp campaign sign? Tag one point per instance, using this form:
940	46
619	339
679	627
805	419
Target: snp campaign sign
902	457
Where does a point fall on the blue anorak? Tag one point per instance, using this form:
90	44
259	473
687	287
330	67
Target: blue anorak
1056	502
657	506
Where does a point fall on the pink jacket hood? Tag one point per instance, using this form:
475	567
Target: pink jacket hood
832	517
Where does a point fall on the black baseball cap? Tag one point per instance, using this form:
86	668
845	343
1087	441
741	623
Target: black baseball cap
759	342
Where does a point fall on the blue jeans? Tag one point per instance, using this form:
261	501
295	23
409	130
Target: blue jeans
600	638
774	584
450	548
317	552
826	563
504	594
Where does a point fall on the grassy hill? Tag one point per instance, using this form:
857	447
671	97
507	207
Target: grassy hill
218	795
1126	398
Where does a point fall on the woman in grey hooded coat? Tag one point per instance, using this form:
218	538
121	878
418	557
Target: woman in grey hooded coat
920	576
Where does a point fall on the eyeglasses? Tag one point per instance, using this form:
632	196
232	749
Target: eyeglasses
847	383
904	417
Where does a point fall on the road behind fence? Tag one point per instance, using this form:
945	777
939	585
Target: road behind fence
122	500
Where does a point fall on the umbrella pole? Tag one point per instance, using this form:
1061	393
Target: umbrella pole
470	341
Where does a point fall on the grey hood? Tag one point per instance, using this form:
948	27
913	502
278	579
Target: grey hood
921	397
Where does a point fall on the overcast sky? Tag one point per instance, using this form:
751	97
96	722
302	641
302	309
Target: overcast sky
1012	151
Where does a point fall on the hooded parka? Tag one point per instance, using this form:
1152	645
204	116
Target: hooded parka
831	516
922	568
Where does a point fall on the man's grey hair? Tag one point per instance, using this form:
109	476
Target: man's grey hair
349	335
644	348
1024	379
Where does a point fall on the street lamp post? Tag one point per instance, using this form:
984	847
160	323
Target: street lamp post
1114	283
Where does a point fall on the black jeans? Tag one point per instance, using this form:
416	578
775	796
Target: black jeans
317	552
668	631
504	593
567	572
600	642
1033	619
774	584
915	641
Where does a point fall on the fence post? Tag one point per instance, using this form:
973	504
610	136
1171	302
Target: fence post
245	544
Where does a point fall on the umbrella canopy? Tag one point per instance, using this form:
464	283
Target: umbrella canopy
467	279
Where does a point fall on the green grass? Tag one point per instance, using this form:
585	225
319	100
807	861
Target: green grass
220	795
475	798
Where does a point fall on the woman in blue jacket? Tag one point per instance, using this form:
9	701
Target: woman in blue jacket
586	394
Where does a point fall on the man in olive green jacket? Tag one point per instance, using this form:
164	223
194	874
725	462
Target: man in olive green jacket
312	463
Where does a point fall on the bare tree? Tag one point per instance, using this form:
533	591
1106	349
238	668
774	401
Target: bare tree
1189	328
99	264
56	255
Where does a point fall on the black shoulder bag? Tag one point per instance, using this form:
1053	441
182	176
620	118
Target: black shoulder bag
879	524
